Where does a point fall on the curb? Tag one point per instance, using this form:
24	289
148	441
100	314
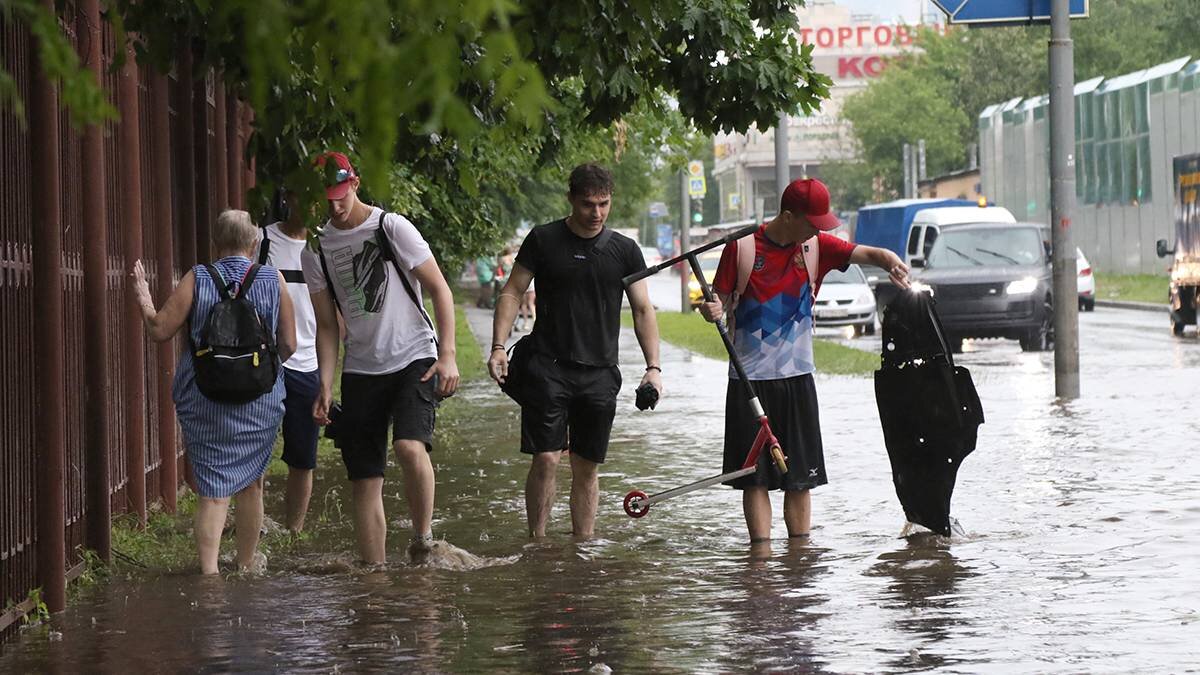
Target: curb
1130	304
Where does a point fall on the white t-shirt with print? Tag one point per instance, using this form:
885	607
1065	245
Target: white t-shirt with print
385	331
284	254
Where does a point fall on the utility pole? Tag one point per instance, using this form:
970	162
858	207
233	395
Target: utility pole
906	192
685	241
783	170
1062	201
921	161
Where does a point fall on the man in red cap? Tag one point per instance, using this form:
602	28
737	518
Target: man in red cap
372	266
769	283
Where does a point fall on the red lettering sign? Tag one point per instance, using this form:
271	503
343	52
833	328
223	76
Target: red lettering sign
825	37
844	33
860	66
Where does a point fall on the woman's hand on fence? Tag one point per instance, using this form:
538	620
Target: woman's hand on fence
141	287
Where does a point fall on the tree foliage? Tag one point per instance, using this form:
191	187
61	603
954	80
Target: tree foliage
467	114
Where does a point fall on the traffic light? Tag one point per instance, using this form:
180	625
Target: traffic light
697	211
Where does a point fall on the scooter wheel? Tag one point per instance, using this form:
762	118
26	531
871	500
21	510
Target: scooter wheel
635	504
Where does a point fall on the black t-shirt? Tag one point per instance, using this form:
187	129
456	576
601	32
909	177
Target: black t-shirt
578	291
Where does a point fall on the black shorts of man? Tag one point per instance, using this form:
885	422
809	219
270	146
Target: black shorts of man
372	267
578	264
771	292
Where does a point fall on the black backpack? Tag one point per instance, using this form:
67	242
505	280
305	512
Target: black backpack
236	360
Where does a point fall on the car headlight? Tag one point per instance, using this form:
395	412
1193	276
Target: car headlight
920	287
865	299
1021	286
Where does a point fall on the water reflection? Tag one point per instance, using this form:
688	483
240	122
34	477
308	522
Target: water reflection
1083	525
775	609
923	579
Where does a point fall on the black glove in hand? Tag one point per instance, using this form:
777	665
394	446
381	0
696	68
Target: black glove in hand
647	397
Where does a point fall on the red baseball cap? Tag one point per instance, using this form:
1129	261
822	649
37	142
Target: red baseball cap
809	197
342	177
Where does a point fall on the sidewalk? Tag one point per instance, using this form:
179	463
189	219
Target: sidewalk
1131	304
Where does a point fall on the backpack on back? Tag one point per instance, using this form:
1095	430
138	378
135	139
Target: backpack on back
236	359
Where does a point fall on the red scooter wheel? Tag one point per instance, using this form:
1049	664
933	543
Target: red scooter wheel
635	504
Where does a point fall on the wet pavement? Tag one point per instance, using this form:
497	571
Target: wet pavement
1081	520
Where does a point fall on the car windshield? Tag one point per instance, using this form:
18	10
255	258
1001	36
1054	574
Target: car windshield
991	246
852	275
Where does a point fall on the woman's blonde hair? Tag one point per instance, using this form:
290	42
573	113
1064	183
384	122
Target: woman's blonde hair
234	232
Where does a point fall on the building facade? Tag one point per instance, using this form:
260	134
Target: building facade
849	48
1128	129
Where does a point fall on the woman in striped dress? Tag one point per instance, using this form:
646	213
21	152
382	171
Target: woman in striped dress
228	445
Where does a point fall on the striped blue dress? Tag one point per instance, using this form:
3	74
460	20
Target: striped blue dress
228	445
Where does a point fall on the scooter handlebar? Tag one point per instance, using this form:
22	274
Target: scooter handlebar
655	269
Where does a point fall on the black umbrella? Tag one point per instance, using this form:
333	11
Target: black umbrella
928	407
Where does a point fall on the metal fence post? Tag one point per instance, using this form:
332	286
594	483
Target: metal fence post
48	351
164	255
95	314
220	182
134	387
192	154
197	179
233	135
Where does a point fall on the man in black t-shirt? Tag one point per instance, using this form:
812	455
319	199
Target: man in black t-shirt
579	265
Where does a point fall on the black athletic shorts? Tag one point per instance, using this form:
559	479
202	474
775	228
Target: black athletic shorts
371	402
791	407
573	408
300	430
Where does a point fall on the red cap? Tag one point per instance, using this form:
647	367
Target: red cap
345	172
809	197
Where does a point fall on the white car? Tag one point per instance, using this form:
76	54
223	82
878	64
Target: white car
846	300
652	256
1086	283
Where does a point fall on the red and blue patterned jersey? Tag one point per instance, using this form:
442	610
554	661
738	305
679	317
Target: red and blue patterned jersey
774	318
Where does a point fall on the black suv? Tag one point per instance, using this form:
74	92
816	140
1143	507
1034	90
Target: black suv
991	280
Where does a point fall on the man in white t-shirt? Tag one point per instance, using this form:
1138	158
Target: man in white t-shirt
281	246
395	369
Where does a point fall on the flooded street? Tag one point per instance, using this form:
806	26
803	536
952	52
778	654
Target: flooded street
1082	527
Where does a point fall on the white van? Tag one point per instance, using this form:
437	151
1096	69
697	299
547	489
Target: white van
927	224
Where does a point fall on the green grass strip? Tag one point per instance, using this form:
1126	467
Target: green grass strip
1134	287
693	333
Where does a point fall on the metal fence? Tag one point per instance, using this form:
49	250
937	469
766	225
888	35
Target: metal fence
90	427
1127	131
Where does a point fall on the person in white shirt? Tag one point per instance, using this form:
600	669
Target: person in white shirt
281	246
395	369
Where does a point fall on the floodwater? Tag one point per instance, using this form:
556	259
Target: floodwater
1081	540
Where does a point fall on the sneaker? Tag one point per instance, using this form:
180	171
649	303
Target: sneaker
419	547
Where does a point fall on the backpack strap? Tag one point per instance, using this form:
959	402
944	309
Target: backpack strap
602	240
264	248
218	281
248	279
385	249
809	256
328	279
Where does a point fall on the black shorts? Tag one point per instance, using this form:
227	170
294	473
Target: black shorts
371	402
300	430
791	407
574	408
